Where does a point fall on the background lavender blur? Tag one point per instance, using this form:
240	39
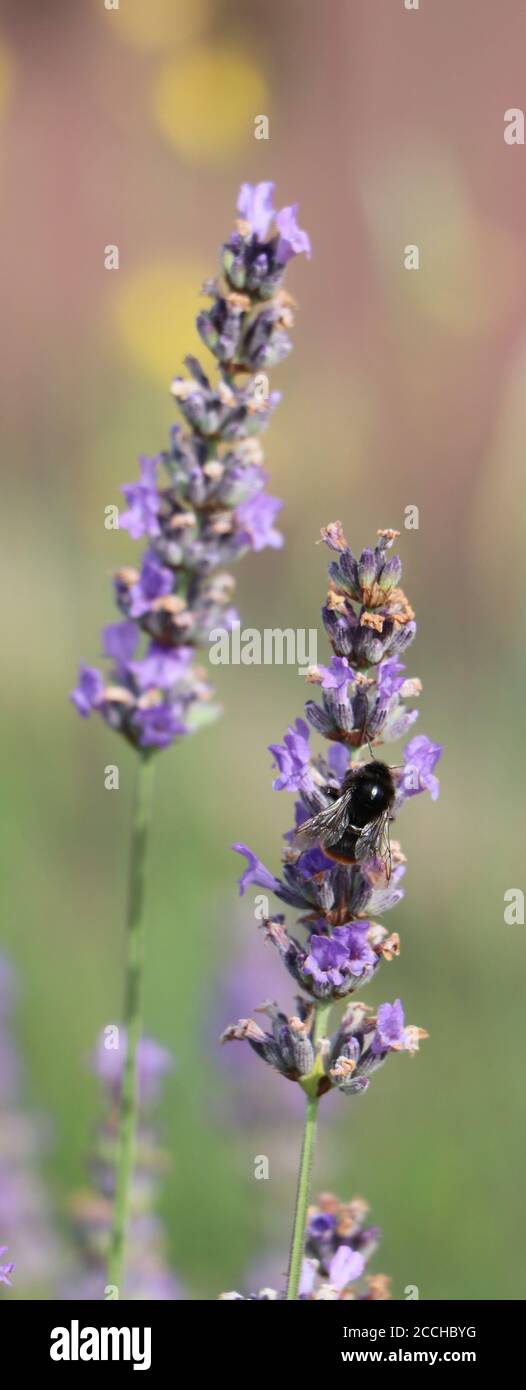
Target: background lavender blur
27	1220
135	127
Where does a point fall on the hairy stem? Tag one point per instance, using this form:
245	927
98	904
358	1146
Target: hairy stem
132	1019
305	1170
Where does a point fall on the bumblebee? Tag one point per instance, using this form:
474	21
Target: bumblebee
356	826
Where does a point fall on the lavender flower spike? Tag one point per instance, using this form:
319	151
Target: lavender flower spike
197	507
340	868
201	503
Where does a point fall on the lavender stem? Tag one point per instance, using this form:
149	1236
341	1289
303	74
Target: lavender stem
310	1085
132	1021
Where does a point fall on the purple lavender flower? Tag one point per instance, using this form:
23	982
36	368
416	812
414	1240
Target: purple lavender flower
339	1244
332	966
255	522
255	205
334	677
255	872
346	1060
346	951
161	666
253	261
391	1034
87	695
202	503
420	759
389	1027
292	240
119	641
142	518
293	759
327	959
346	1266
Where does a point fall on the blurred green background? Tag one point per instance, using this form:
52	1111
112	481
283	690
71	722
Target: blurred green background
135	127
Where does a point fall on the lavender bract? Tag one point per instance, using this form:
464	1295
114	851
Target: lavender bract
202	503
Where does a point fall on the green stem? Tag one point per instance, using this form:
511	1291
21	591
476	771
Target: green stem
305	1167
132	1020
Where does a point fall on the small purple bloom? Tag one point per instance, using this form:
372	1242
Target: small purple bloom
390	681
359	953
292	240
143	502
292	757
346	952
155	582
420	758
255	206
337	675
161	666
313	862
322	1224
326	959
89	691
255	871
119	641
255	522
345	1266
389	1027
159	725
338	760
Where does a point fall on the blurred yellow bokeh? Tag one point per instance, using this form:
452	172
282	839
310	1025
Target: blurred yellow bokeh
151	24
154	315
6	77
206	102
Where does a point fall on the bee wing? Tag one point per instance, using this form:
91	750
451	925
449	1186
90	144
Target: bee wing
374	842
327	826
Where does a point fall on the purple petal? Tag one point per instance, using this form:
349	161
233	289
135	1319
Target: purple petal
345	1266
255	871
119	641
255	522
292	240
88	693
161	666
255	206
307	1277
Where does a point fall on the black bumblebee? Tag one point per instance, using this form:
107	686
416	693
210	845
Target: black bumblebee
356	827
